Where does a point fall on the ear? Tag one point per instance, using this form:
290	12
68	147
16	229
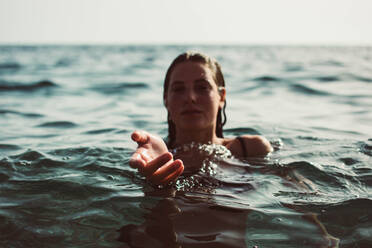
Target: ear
222	92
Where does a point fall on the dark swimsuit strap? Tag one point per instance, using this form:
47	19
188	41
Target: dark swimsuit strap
244	148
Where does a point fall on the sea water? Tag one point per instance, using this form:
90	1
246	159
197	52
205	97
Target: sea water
67	112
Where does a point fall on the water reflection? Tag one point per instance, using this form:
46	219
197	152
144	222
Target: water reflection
188	220
229	205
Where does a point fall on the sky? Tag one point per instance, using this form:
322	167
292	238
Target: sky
323	22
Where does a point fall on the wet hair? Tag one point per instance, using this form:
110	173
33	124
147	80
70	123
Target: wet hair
218	78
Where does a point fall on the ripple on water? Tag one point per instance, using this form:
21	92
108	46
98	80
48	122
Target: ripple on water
9	67
362	78
99	131
349	161
120	88
9	147
366	147
30	115
314	173
10	86
267	79
29	155
307	90
58	124
328	79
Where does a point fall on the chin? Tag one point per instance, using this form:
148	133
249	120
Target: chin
193	126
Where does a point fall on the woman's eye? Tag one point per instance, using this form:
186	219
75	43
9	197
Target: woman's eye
178	89
202	88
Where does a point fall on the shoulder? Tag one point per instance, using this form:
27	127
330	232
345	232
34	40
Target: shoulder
248	145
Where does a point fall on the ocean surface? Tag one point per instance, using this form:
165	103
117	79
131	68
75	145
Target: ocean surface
67	112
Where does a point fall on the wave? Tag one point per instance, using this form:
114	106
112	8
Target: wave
29	155
312	138
120	153
349	160
336	131
58	124
330	63
64	62
8	86
9	66
313	173
299	88
9	147
328	79
119	88
362	78
294	68
4	177
123	131
81	159
366	147
365	79
267	79
99	131
69	151
357	206
31	115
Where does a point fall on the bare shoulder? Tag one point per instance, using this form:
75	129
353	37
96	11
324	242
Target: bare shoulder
254	145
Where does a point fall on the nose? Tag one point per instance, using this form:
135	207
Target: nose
190	96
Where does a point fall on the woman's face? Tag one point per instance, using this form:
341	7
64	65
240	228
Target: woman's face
193	97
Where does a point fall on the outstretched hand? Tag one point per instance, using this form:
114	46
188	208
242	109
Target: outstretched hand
153	160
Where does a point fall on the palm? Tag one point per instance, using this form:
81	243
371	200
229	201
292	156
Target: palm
153	160
149	146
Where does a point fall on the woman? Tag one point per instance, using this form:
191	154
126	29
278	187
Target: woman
195	97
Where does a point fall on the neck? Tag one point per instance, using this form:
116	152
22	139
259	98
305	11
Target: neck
198	136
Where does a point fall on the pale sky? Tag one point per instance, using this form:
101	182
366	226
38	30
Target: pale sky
338	22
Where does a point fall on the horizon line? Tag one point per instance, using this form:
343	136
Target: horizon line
170	43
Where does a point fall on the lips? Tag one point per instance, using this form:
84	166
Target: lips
190	111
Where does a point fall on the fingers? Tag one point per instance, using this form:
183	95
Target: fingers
140	137
174	175
167	173
155	164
